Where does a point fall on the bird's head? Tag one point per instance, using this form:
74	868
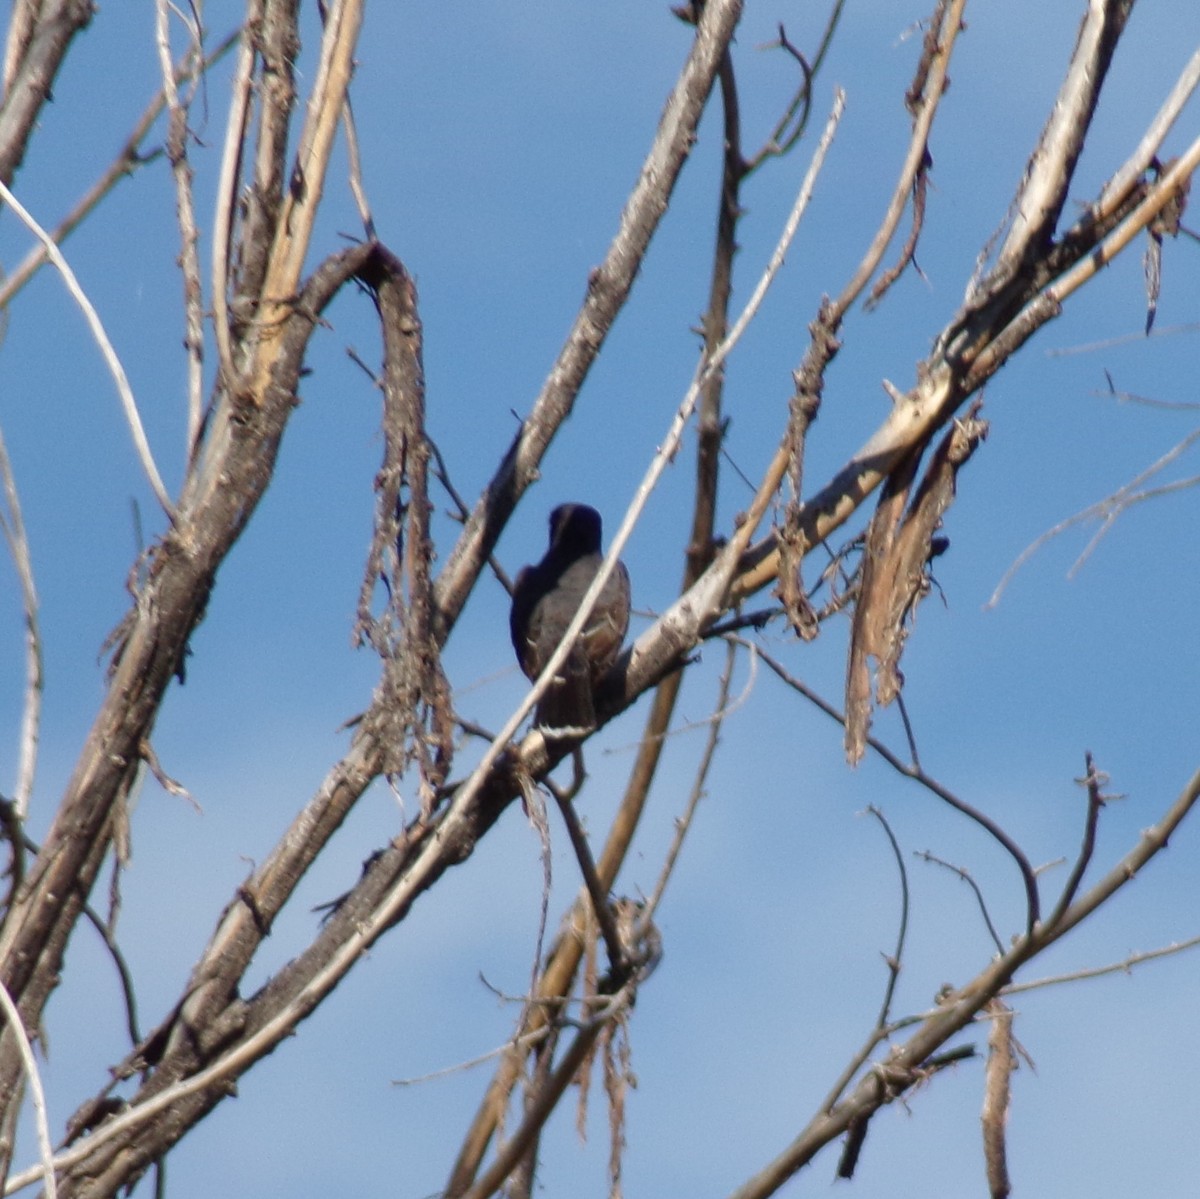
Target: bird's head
575	530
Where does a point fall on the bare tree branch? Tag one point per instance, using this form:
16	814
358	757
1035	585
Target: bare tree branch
903	1068
37	44
997	1095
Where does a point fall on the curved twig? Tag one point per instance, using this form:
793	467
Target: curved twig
895	960
128	403
919	775
128	159
965	875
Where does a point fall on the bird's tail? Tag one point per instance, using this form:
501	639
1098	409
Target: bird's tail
567	708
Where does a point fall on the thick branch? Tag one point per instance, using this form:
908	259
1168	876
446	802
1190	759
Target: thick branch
154	638
34	66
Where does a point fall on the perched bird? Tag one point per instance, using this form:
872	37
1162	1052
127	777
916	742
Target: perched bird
545	600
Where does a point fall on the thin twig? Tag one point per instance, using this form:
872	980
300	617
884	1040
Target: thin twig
781	139
124	974
31	715
1151	842
617	958
918	147
1140	337
524	1041
1122	967
354	162
684	823
12	1018
1107	508
1132	397
106	348
547	1098
1093	780
895	960
704	722
185	207
965	875
354	159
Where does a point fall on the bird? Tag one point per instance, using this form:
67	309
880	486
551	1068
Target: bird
545	600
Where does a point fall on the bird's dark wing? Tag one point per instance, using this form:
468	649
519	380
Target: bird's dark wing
519	617
604	633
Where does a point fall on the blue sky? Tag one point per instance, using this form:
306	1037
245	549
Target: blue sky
499	143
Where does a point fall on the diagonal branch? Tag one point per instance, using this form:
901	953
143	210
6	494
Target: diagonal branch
1043	192
39	39
908	1063
609	286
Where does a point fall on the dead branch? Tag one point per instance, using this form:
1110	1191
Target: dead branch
997	1096
564	963
1003	310
265	313
92	317
900	546
896	958
1105	511
1124	966
965	875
